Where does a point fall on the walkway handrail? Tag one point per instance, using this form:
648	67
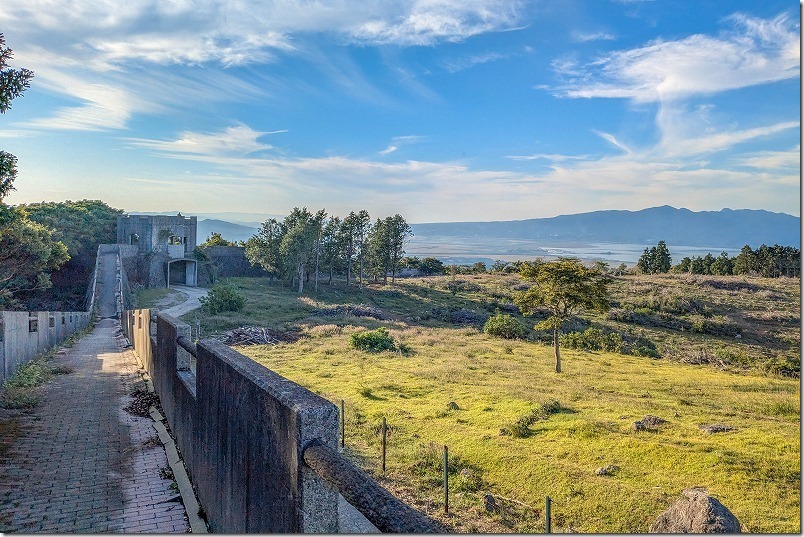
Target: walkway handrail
188	345
379	506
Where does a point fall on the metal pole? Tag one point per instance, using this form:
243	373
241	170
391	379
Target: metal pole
343	427
547	503
384	435
446	481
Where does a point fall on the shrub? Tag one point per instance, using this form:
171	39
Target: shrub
504	326
222	297
593	339
373	341
521	427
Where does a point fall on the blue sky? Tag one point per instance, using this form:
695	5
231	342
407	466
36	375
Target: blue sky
440	110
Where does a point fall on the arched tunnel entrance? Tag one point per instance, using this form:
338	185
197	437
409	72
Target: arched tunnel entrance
182	272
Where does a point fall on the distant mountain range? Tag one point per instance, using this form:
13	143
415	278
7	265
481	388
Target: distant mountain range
726	228
228	230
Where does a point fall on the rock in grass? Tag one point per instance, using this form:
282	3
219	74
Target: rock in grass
611	469
716	428
648	422
696	512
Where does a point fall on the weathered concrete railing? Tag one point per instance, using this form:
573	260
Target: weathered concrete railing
379	506
24	334
260	449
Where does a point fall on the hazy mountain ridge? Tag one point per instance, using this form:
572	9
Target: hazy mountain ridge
725	228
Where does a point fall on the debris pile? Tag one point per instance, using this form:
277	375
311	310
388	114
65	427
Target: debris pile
356	310
142	402
256	335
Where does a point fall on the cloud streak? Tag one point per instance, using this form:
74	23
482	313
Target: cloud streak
753	51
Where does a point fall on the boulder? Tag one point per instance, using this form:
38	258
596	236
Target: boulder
696	512
648	422
716	428
611	469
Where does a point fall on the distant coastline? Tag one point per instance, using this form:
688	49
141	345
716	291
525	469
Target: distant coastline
468	251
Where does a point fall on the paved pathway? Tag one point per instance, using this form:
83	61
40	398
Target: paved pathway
82	463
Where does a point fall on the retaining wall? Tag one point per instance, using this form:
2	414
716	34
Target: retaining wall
25	334
241	429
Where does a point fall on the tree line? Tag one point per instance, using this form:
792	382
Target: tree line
767	261
305	244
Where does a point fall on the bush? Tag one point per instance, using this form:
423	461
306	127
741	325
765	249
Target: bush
222	297
374	341
521	427
504	326
593	339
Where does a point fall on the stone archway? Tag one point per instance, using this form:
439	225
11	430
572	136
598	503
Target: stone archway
182	272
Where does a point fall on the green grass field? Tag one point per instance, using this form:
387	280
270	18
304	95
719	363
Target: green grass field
753	469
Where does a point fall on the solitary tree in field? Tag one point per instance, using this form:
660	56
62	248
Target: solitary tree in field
564	287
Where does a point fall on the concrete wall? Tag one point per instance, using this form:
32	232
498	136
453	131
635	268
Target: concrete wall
231	261
241	429
148	230
25	334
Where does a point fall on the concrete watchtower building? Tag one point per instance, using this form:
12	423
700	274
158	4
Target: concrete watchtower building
166	242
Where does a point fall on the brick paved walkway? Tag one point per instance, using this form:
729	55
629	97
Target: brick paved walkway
83	464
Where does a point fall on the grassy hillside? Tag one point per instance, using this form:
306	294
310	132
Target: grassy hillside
456	386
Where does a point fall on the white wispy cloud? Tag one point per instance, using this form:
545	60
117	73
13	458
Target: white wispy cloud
399	141
573	183
454	66
613	141
584	37
103	54
753	51
552	157
773	160
237	140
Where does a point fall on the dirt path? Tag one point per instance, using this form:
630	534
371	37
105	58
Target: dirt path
192	302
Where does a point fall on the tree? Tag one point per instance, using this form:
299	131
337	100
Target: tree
13	82
215	239
431	265
81	226
362	229
478	268
655	260
722	265
331	244
398	233
27	249
28	254
299	244
565	287
379	253
263	248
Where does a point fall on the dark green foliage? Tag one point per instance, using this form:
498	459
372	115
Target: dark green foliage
655	260
81	226
13	82
222	297
593	339
373	341
431	266
504	326
767	261
215	239
521	427
790	366
564	287
28	254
